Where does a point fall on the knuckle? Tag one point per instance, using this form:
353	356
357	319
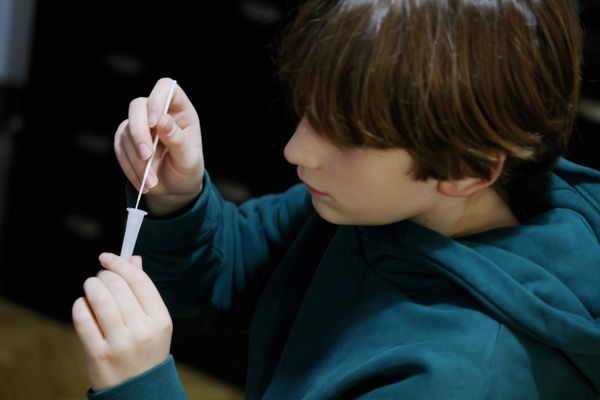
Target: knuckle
135	102
99	354
79	319
119	346
79	312
176	137
98	297
121	131
136	260
122	126
110	278
144	335
138	279
166	328
89	283
165	324
101	300
104	275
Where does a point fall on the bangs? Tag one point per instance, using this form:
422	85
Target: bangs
453	82
340	84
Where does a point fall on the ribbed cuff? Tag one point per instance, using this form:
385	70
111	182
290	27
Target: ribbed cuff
158	383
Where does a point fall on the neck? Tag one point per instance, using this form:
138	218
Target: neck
480	212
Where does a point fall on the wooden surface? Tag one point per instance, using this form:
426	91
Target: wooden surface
42	359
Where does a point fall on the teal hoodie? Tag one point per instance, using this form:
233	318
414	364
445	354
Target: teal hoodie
393	311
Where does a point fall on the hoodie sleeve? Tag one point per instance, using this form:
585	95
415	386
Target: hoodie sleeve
158	383
213	260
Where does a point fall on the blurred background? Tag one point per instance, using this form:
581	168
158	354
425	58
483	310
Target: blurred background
68	71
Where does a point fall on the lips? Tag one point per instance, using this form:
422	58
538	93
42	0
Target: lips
313	191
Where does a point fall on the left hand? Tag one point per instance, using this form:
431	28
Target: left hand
122	322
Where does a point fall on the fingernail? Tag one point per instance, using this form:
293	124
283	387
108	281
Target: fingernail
104	257
152	119
151	181
144	151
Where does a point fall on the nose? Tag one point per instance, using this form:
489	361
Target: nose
303	148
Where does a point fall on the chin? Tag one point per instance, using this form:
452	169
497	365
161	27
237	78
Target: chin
335	216
338	217
329	214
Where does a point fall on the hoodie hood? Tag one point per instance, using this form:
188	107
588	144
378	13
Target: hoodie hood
541	278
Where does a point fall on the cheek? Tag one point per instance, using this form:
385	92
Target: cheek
362	183
386	199
359	190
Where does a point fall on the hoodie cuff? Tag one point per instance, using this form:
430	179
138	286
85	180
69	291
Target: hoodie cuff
158	383
193	223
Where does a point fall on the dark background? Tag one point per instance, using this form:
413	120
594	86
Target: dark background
65	203
66	193
585	142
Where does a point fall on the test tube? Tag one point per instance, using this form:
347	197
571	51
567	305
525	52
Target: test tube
135	217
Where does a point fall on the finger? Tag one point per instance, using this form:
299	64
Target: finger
132	158
181	107
183	155
138	165
142	286
137	261
104	307
131	311
158	98
87	327
122	149
139	128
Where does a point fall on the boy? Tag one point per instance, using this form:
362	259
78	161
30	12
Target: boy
428	254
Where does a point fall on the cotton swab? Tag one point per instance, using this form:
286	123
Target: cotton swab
154	145
135	216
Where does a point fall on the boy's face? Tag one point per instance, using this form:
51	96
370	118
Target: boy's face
359	186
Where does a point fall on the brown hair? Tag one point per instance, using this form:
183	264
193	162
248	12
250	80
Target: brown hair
453	82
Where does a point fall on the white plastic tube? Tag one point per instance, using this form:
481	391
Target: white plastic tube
132	229
135	216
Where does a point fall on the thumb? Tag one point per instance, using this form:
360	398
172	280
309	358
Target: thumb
174	140
137	261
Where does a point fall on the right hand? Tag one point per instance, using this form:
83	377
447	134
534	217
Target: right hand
122	322
178	179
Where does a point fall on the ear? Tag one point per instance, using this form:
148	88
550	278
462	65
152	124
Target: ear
468	185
